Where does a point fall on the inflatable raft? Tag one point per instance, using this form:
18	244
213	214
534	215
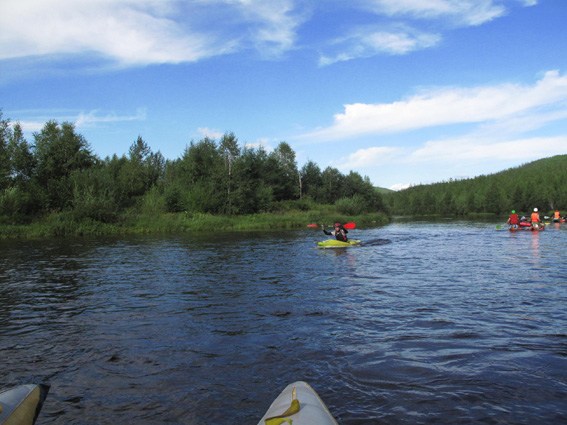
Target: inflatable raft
298	404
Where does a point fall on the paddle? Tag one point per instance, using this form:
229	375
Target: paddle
349	226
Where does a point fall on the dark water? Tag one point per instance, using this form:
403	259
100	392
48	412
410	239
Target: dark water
426	323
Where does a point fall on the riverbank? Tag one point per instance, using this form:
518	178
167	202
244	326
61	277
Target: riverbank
63	225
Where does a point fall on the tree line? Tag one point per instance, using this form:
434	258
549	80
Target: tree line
58	172
540	184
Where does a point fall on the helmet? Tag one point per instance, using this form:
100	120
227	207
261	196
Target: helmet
513	211
337	224
535	209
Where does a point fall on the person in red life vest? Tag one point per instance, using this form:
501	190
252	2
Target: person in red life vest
513	220
340	232
535	219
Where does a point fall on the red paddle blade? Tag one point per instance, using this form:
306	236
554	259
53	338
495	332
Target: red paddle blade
350	225
313	225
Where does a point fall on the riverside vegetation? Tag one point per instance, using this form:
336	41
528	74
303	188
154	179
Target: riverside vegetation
539	184
56	186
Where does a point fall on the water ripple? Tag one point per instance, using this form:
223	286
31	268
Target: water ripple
424	323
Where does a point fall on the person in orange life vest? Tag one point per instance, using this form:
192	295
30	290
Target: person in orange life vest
513	220
339	232
535	219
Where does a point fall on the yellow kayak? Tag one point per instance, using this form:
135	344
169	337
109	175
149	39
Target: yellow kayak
333	243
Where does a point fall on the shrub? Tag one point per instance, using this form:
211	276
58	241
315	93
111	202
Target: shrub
354	205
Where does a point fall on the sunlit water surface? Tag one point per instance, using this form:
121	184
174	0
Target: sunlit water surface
425	323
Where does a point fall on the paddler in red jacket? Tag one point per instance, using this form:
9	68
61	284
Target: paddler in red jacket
339	232
535	219
513	220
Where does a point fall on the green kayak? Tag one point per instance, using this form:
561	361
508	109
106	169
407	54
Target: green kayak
21	405
298	404
333	243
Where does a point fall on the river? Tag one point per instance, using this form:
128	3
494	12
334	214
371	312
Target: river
425	323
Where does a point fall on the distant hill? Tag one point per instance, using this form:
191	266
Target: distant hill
541	184
383	190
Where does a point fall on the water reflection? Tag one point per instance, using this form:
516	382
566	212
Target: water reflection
535	245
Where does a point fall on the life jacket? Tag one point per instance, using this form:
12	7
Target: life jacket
514	219
341	234
535	217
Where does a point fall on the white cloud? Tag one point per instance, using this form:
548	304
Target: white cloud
464	12
500	121
209	133
473	149
372	156
446	106
401	34
276	24
399	186
260	143
92	118
139	32
366	42
126	31
529	3
29	126
36	119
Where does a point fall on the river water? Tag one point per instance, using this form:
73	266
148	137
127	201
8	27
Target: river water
425	323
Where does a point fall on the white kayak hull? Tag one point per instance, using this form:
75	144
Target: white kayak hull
313	410
21	405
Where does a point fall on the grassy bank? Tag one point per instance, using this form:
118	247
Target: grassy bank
61	224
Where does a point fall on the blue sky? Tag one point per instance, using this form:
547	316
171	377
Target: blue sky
402	91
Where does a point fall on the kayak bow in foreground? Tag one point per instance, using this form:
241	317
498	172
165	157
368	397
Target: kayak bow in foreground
299	404
21	405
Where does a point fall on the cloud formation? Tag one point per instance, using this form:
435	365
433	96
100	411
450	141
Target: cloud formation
413	30
141	32
93	118
462	12
445	106
497	125
125	31
80	120
367	42
472	149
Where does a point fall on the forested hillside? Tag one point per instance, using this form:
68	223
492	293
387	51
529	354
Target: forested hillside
59	173
540	184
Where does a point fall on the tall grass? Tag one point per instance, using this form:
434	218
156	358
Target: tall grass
150	219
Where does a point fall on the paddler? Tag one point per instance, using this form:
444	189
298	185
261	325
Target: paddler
535	219
556	216
513	220
340	232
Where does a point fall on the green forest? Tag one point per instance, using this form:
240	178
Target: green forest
540	184
57	180
56	185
